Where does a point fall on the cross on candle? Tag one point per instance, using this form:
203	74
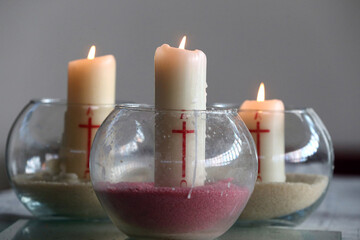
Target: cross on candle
183	131
89	127
258	131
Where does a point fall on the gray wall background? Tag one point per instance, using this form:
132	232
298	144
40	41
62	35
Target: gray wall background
307	52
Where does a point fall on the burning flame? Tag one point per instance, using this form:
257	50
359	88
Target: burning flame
182	44
91	54
261	93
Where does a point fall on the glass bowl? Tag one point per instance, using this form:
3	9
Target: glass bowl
296	162
173	174
47	156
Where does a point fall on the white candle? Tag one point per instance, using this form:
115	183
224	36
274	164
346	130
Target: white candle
180	84
92	80
265	121
91	95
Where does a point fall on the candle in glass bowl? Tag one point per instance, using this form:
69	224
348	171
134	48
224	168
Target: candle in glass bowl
180	84
265	121
91	86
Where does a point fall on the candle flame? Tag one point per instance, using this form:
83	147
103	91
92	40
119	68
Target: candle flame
182	44
91	54
261	93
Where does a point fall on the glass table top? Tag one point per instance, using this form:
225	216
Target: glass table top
105	230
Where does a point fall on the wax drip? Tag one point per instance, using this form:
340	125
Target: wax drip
196	155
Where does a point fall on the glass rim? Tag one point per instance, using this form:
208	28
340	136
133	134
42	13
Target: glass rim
216	107
288	108
59	101
143	107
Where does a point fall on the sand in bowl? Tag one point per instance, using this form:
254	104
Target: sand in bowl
272	200
62	195
143	209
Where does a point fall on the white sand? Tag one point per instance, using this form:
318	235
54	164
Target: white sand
63	195
270	200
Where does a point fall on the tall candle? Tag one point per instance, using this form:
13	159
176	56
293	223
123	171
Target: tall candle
265	120
180	84
91	95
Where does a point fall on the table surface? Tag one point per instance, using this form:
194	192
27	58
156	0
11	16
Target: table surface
340	210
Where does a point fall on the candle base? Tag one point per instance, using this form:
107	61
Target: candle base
37	150
286	204
67	197
306	159
126	158
180	213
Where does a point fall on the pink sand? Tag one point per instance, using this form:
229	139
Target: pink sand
169	210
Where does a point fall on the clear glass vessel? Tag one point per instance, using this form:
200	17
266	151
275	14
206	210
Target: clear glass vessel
296	162
47	156
173	174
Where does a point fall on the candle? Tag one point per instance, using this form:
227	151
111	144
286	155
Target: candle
91	95
180	84
265	120
92	80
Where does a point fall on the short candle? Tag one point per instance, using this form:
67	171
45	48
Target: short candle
265	121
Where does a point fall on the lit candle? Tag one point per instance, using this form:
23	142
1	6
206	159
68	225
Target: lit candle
92	80
180	84
91	95
265	120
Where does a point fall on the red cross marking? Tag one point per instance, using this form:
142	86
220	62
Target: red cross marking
258	131
89	127
184	131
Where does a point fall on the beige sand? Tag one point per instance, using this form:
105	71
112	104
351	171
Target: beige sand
270	200
63	195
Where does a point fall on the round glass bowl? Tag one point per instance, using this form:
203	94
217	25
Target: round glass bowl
173	174
47	156
295	166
